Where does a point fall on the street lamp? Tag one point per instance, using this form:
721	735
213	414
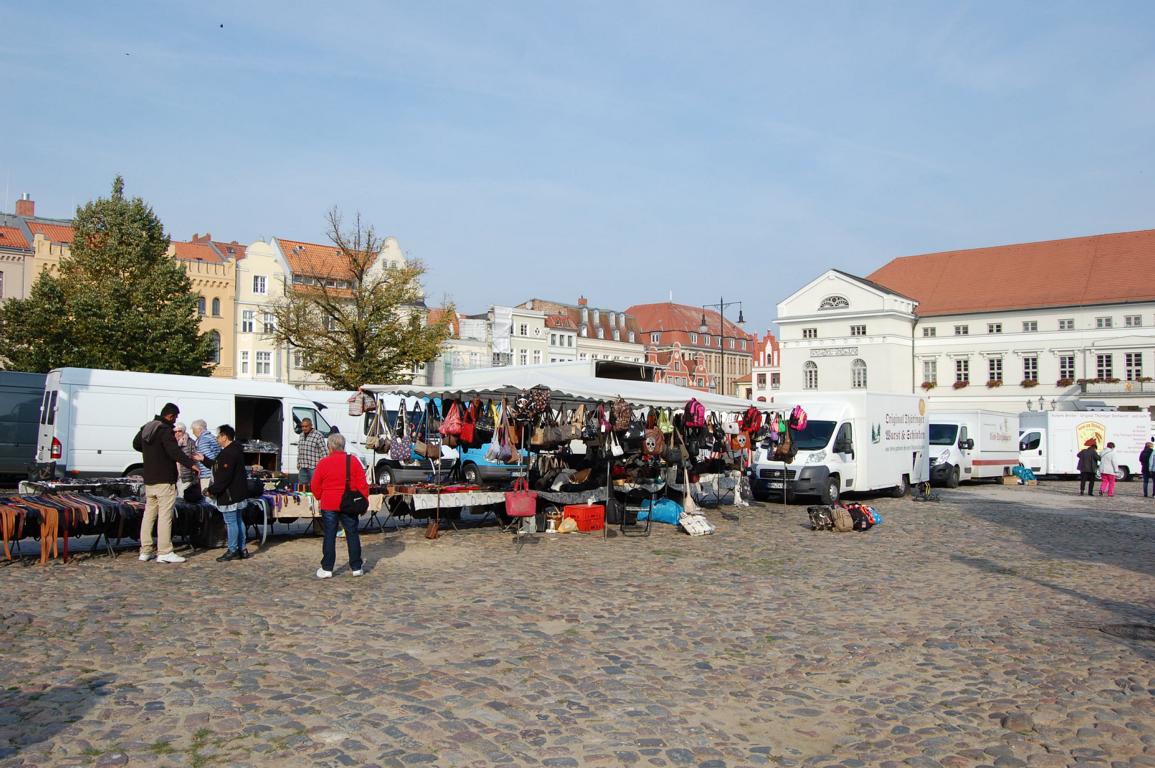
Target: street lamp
704	328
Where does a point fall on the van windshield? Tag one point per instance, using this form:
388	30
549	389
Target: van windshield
943	434
815	437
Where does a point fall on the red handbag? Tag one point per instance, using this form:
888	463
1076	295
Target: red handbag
521	501
468	419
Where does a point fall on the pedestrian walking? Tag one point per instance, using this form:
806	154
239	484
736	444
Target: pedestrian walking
334	473
205	444
1109	467
1088	466
157	445
311	448
230	488
1145	465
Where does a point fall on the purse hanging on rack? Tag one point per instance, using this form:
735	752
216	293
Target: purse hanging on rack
400	445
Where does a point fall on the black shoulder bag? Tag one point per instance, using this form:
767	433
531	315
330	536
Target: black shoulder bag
353	502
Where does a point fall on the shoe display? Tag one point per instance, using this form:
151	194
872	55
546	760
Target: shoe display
171	557
145	558
229	555
323	574
357	572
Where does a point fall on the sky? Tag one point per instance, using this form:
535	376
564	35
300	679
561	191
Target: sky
624	151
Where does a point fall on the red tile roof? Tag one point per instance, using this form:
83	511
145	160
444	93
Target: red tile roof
668	316
573	313
314	260
198	251
11	237
563	321
233	250
436	314
1101	269
56	233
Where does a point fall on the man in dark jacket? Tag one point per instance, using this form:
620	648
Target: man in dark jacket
158	445
1088	466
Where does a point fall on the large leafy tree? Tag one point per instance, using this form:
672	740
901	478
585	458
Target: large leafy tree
117	301
360	320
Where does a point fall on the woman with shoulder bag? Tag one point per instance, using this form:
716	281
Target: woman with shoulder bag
230	488
337	478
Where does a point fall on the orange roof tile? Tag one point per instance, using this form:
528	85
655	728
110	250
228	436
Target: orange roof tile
11	237
560	320
1101	269
668	316
233	250
314	260
56	233
196	251
573	313
436	314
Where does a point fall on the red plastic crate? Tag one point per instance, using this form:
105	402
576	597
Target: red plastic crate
589	517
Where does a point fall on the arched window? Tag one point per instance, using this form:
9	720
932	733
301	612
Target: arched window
216	307
200	305
216	339
858	374
810	375
834	302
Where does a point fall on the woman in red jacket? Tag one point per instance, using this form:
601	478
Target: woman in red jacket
328	486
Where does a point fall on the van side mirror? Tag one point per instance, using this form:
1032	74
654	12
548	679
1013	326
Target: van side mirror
968	444
843	447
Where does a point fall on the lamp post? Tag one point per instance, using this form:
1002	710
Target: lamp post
704	328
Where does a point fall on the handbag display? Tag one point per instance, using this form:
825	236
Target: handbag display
521	501
353	502
451	424
468	421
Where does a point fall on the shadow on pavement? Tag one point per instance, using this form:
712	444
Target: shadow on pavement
30	717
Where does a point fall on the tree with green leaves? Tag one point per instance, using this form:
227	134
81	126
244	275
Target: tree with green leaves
360	320
117	301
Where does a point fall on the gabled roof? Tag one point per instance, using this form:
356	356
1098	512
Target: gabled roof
668	316
200	251
56	233
316	260
874	285
233	250
1078	271
13	238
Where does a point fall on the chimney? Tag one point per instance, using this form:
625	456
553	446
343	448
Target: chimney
583	301
25	206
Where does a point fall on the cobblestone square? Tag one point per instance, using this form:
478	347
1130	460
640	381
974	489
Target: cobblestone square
960	633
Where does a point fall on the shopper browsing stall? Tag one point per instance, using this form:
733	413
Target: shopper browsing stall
230	487
334	474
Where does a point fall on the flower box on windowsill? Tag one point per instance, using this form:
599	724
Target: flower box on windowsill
1064	382
960	384
992	383
928	385
1028	383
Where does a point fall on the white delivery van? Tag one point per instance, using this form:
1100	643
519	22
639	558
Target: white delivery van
972	445
89	417
1049	441
853	441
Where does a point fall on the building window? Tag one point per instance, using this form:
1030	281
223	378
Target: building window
553	339
523	357
1030	368
760	380
537	357
775	380
1067	367
743	345
631	337
810	375
1	285
245	362
962	330
929	332
1067	324
247	321
1133	363
1133	321
858	374
260	286
569	341
200	305
706	340
693	338
994	327
930	371
995	369
810	333
264	363
1030	326
215	338
732	343
584	356
1104	367
962	370
216	307
601	332
331	324
655	337
858	330
270	323
298	359
522	330
1104	322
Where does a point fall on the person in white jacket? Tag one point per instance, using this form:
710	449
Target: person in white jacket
1110	469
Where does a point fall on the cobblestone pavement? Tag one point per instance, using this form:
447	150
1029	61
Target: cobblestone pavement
959	633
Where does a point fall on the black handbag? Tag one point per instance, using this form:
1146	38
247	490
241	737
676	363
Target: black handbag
353	502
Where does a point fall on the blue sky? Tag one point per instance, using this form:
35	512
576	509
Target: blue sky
620	150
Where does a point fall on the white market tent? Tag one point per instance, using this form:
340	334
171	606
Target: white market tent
568	384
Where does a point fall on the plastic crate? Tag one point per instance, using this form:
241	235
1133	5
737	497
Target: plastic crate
589	517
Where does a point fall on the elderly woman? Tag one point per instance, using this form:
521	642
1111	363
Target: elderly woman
185	475
330	478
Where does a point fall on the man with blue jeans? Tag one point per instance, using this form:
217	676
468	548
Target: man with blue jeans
333	475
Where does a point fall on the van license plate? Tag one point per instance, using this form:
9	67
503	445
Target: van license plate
775	485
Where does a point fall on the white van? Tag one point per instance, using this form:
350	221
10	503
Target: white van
89	417
853	441
972	445
1049	441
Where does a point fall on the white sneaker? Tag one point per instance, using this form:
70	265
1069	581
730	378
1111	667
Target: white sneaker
145	558
171	557
357	573
323	574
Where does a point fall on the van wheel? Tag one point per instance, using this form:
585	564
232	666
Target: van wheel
832	490
384	476
952	479
1126	478
470	473
902	488
135	469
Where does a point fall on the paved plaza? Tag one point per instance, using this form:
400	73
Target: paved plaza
959	633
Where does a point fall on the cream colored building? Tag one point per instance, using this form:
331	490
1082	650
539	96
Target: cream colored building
261	277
